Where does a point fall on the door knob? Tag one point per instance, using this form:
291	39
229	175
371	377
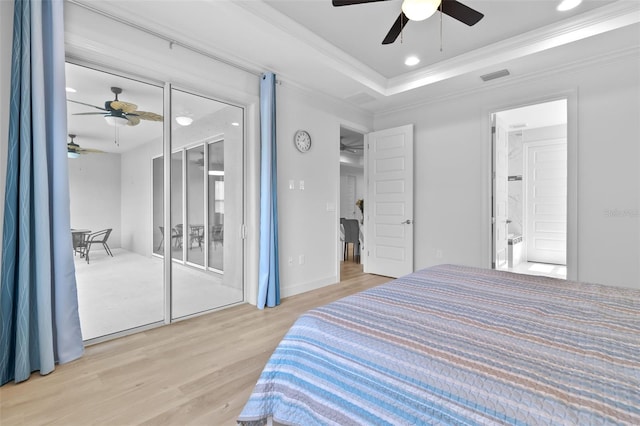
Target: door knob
406	222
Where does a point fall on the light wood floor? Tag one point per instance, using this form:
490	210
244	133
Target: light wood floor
199	371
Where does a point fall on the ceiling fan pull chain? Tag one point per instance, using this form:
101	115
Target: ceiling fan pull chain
401	26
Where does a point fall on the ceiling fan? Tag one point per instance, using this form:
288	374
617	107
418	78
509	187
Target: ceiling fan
418	10
351	148
120	113
74	150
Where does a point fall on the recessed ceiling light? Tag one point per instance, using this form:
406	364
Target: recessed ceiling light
70	90
184	121
235	123
411	61
568	5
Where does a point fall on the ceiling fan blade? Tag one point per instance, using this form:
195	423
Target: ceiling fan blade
86	104
92	113
461	12
91	150
145	115
123	106
132	120
396	29
337	3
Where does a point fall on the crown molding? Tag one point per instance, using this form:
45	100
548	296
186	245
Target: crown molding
331	55
597	21
594	22
614	56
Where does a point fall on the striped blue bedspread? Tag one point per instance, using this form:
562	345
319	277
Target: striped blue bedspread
463	346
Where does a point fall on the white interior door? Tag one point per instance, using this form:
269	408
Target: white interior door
500	193
546	201
389	203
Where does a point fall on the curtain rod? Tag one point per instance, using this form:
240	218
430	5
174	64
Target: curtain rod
161	36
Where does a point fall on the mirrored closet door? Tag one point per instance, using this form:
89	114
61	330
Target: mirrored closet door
206	203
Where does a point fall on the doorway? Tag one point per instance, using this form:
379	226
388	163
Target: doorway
352	190
529	197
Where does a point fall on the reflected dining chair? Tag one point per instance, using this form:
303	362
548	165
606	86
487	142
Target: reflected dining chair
176	235
217	235
161	238
99	237
196	234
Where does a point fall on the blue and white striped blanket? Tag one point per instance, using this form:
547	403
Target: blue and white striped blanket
458	345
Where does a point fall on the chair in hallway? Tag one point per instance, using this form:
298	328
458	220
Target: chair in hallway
351	236
99	237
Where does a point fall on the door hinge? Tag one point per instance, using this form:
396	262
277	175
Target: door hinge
243	231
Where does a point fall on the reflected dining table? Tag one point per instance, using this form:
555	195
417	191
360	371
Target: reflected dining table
77	238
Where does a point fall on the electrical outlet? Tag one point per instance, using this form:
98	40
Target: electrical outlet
292	185
439	254
302	185
290	260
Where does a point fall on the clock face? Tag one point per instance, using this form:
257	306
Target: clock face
302	139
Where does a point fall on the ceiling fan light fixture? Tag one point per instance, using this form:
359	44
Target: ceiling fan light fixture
183	120
116	121
419	10
72	154
568	5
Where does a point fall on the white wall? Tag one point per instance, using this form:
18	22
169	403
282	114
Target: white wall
452	185
94	187
308	218
6	30
136	197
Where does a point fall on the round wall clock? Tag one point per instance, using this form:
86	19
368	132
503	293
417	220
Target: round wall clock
302	140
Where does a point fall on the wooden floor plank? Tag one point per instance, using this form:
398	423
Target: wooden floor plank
197	371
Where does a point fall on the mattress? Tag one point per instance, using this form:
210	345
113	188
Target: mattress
459	345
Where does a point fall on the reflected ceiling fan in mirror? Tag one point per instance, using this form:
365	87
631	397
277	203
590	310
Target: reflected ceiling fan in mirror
418	10
119	113
354	149
74	150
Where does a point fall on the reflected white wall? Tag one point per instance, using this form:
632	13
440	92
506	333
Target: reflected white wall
137	202
95	189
